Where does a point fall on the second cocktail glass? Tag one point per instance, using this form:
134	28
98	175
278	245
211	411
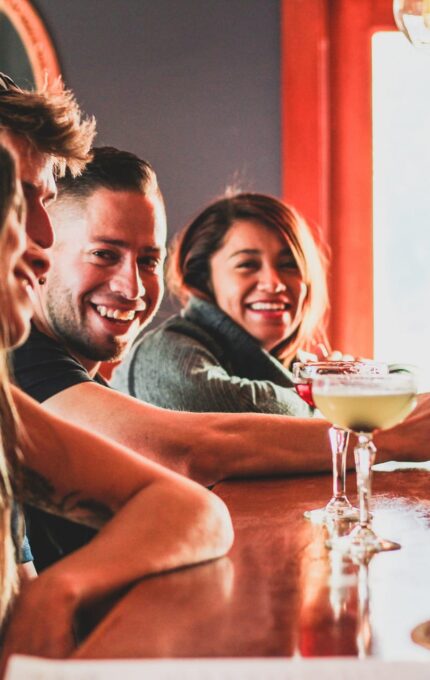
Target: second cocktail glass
339	506
361	405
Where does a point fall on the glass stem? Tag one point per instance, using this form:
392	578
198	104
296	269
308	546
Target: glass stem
364	455
339	444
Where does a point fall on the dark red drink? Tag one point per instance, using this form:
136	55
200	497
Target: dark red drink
305	372
304	390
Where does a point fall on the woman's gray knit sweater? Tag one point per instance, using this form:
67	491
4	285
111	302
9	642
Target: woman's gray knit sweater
201	360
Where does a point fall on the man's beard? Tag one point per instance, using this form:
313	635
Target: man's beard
70	329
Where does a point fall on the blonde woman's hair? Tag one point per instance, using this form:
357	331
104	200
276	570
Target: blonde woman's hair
9	456
189	272
51	121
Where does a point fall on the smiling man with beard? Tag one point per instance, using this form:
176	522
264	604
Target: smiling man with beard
106	278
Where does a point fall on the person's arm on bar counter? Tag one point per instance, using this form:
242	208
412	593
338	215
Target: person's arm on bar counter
152	521
410	440
209	447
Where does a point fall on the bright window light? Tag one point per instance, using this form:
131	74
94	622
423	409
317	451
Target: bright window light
401	196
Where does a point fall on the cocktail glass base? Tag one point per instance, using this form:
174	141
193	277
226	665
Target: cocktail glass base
336	509
361	542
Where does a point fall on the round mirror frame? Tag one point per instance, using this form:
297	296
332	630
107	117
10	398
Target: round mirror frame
35	38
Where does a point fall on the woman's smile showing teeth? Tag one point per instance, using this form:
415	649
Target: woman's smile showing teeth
268	306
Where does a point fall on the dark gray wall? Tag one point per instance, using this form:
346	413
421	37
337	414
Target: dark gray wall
191	85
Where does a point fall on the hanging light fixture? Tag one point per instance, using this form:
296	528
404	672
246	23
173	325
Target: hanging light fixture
412	17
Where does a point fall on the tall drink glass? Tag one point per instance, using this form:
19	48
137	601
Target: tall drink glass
339	507
362	404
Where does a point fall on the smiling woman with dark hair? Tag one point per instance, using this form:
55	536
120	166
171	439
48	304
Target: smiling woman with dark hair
252	281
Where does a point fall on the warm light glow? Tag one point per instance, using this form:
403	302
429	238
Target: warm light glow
401	146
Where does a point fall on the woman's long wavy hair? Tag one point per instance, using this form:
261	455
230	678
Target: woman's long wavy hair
8	417
189	272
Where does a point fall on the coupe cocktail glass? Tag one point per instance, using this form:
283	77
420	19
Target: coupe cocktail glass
339	506
362	404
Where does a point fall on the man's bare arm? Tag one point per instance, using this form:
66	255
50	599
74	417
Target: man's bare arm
207	447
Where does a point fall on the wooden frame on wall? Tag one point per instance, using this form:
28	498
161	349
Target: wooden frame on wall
35	38
326	86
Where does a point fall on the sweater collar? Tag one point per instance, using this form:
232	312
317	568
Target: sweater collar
213	319
235	340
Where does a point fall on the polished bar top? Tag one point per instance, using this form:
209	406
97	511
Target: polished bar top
280	592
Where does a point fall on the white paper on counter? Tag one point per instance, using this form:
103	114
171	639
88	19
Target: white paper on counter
394	465
32	668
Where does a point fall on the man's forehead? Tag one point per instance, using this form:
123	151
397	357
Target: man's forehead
129	218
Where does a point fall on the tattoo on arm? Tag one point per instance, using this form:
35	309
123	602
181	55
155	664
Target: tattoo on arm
40	492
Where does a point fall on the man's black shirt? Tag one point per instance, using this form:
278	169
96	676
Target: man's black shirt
42	367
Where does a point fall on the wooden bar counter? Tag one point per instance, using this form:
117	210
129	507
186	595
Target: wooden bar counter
280	592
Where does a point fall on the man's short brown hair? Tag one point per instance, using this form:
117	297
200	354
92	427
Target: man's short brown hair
52	122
